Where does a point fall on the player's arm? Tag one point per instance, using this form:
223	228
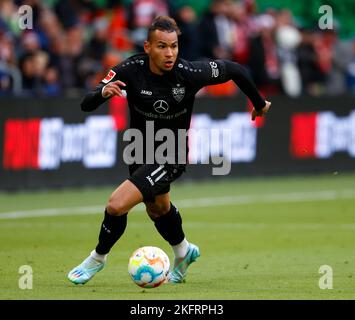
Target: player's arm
109	87
237	73
220	71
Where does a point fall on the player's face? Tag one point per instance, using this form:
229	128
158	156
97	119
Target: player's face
162	49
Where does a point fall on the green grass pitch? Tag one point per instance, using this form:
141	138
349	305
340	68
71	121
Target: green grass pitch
260	238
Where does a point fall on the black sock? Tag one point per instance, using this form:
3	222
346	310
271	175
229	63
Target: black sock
112	228
170	226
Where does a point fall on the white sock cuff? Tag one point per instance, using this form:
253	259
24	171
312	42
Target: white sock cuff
180	249
98	257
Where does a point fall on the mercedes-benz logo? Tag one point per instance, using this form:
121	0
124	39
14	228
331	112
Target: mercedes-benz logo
161	106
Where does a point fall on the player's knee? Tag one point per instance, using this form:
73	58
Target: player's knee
157	210
116	206
152	214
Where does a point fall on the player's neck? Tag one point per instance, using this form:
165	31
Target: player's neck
154	69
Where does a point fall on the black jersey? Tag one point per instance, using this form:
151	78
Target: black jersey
166	101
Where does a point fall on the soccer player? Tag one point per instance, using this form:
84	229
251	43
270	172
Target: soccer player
160	89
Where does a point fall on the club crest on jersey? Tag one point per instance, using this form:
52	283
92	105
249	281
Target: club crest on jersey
178	93
111	74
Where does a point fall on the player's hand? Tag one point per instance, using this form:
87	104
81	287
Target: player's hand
113	89
255	113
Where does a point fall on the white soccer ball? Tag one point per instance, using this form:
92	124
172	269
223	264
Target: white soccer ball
148	267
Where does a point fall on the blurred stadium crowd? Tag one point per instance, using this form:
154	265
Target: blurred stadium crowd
74	43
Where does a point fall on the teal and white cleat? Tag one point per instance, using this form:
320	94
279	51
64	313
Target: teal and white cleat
181	265
85	271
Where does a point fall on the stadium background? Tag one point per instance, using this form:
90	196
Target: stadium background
298	208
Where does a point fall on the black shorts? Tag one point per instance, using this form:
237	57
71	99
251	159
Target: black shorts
154	179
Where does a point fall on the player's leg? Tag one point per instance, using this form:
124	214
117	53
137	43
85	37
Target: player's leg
125	197
168	222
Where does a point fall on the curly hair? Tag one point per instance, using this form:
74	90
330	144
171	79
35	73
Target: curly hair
163	23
